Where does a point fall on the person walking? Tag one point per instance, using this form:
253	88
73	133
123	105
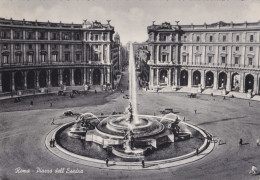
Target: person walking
143	163
107	161
52	123
195	111
240	141
197	151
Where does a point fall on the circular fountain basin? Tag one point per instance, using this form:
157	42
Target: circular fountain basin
119	125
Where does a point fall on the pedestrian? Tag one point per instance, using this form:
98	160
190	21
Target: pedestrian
107	161
219	142
224	97
197	151
240	141
31	103
50	104
143	163
52	123
258	142
249	104
95	91
51	143
184	119
195	111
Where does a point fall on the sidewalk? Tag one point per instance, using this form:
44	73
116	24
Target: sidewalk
206	92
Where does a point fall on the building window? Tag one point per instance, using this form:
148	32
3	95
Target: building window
223	59
77	57
67	57
198	39
210	59
237	48
251	48
77	37
197	48
78	46
43	57
66	36
223	48
18	58
250	61
17	46
30	35
104	37
237	38
210	48
184	48
5	46
41	35
210	38
30	46
54	46
5	59
164	58
236	60
54	57
251	38
66	46
42	47
162	37
184	59
30	58
224	38
165	47
185	38
96	37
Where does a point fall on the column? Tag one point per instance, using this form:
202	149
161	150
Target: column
102	77
72	83
108	53
170	54
84	76
12	54
25	79
177	54
202	79
157	76
1	87
89	36
152	53
90	77
229	56
158	54
90	53
228	83
49	53
151	77
60	53
36	53
72	53
176	77
37	79
24	53
215	83
243	54
189	78
256	84
87	76
13	84
84	36
102	53
60	76
49	78
169	77
108	75
84	52
242	83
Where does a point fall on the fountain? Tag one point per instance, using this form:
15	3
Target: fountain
129	135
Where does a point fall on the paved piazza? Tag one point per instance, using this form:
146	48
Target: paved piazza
23	133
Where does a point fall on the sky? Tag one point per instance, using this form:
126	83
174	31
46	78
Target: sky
131	17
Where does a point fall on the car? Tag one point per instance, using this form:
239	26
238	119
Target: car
68	113
61	93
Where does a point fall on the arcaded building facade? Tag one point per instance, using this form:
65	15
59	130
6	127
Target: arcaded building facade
38	55
211	56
